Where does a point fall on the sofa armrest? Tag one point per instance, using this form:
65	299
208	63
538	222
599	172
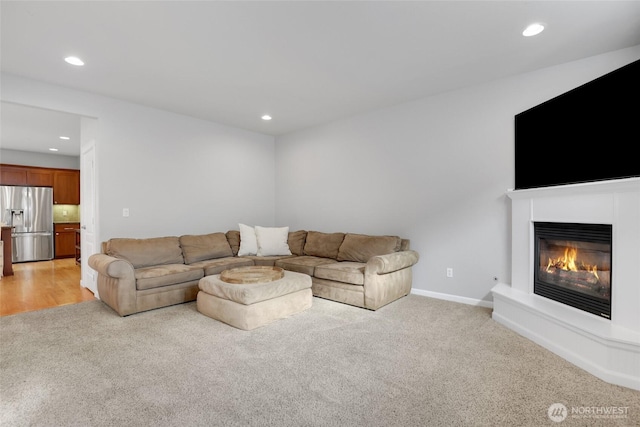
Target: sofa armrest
384	264
110	266
387	278
116	282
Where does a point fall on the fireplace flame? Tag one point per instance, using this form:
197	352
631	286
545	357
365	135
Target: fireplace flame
568	262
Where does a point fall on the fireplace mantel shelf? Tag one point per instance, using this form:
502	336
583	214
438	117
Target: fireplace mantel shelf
613	186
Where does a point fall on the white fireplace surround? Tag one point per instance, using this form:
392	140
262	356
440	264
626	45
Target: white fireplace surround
608	349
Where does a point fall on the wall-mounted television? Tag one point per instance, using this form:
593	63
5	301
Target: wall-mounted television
590	133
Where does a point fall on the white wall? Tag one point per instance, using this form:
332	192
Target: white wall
435	171
177	175
28	158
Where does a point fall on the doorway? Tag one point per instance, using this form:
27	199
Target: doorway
40	137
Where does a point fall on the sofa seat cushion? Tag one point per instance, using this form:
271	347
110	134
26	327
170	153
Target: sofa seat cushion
217	266
165	275
303	264
204	246
345	272
267	261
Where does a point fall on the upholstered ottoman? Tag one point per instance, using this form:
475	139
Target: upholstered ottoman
251	305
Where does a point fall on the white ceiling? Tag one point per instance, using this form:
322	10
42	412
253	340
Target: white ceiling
304	63
27	128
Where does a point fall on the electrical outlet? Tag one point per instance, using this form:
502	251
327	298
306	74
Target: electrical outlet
449	272
125	212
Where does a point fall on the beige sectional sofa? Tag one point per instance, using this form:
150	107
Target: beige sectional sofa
136	275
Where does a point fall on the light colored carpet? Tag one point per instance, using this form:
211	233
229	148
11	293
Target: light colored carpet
416	362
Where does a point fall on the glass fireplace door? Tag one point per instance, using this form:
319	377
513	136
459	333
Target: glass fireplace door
573	265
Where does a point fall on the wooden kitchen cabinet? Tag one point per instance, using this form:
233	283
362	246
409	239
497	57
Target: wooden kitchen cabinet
13	175
26	175
65	239
65	182
40	177
66	187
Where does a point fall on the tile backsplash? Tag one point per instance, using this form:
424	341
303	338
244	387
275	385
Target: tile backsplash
66	213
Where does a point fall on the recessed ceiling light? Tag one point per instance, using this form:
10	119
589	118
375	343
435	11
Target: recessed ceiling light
64	137
73	60
53	149
533	29
266	117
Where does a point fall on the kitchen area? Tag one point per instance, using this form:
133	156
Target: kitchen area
40	160
40	210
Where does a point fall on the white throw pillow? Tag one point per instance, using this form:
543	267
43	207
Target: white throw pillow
248	242
272	240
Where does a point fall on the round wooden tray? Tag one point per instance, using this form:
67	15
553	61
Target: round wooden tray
255	274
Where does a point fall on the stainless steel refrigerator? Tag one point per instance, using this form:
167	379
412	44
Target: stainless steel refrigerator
30	211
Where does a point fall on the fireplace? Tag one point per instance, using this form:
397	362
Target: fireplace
572	265
598	224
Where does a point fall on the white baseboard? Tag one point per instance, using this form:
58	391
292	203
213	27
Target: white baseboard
454	298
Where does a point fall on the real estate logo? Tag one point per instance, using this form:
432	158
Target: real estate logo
557	412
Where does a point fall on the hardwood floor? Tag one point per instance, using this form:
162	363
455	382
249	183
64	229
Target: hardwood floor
43	284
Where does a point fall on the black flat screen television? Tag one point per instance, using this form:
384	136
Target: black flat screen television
590	133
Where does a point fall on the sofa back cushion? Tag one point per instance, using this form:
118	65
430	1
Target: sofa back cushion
204	246
324	245
360	247
233	237
296	241
147	252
